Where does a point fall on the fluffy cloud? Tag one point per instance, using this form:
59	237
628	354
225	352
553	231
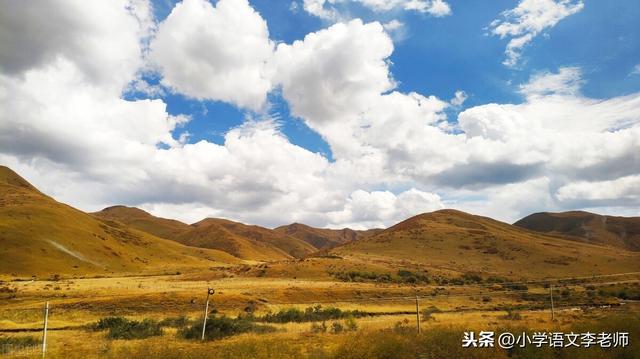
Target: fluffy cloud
216	53
581	145
65	125
567	81
327	10
335	72
527	20
337	80
509	202
458	98
620	189
382	208
102	39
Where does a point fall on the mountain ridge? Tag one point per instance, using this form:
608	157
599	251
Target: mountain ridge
582	226
41	236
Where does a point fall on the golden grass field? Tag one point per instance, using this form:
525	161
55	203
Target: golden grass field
76	302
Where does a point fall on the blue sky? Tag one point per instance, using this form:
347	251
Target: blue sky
356	113
440	55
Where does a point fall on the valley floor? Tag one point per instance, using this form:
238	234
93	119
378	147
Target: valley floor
387	308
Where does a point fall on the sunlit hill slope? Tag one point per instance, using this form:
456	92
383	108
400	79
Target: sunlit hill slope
40	236
451	240
323	238
241	240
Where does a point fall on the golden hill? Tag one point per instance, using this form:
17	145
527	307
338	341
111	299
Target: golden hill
458	242
144	221
245	241
622	232
40	236
241	240
323	238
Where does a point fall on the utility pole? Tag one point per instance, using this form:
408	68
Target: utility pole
210	291
551	295
417	313
44	332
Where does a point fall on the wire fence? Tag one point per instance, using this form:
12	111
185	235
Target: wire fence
532	295
538	295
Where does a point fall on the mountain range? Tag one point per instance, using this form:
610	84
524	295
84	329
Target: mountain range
40	236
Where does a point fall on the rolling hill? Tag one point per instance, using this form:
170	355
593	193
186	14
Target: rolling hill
253	242
241	240
454	241
144	221
40	236
622	232
323	238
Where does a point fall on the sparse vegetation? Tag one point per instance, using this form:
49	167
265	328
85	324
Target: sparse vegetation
427	313
336	328
374	278
402	276
512	314
17	343
175	322
400	342
123	328
355	276
221	326
310	314
319	328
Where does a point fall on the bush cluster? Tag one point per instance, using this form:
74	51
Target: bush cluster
310	314
11	344
123	328
222	326
349	325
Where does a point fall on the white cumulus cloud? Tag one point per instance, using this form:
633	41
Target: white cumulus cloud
327	9
524	22
65	125
216	53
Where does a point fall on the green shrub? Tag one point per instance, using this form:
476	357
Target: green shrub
123	328
350	324
355	276
427	313
516	286
134	329
310	314
108	322
319	328
402	327
337	328
472	278
14	344
175	322
221	327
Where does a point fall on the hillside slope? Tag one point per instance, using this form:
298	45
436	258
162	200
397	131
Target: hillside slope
144	221
246	241
450	240
241	240
622	232
323	238
40	236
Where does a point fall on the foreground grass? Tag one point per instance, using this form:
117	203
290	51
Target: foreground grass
399	342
